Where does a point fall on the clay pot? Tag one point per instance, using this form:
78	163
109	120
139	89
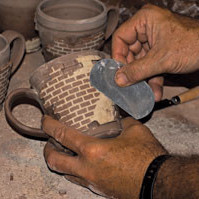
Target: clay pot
12	47
67	26
62	89
18	15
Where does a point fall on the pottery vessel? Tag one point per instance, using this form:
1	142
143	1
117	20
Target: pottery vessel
62	90
12	47
18	15
67	26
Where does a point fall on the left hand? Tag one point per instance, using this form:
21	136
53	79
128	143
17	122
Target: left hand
112	167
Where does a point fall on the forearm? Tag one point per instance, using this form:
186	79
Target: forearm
178	178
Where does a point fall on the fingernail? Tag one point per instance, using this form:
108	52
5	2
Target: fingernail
121	79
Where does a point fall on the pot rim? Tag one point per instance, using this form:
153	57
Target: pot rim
41	74
6	47
68	24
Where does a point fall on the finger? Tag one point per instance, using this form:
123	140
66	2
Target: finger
134	129
128	122
127	34
146	46
131	127
148	66
67	136
130	57
136	47
141	54
141	32
156	85
77	180
142	37
124	36
119	50
60	162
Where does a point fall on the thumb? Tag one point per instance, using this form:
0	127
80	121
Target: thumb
140	69
129	122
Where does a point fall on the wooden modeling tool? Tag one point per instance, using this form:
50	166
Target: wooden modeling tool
184	97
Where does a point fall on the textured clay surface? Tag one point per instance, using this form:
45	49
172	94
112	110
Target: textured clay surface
69	95
4	81
62	46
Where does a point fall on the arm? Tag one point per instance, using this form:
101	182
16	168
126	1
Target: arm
177	178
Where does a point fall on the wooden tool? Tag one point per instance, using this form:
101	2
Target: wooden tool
186	96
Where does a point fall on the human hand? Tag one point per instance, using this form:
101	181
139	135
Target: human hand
112	167
152	42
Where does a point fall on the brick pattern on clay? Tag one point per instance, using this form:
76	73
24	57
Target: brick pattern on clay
69	93
4	81
64	46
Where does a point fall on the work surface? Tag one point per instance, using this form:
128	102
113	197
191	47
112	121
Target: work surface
24	174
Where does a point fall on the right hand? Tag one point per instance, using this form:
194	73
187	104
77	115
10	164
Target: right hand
110	167
155	41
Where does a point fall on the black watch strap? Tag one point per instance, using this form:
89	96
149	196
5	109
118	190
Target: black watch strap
150	177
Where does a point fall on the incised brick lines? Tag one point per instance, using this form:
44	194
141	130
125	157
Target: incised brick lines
70	95
63	46
4	81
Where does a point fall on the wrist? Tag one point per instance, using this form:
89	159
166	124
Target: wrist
177	178
142	168
150	177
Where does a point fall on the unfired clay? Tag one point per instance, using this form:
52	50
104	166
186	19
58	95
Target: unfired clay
10	58
73	25
63	90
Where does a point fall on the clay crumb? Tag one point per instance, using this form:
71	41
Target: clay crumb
62	192
11	177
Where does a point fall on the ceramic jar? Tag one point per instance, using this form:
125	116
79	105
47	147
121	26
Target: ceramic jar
19	15
62	90
67	26
12	47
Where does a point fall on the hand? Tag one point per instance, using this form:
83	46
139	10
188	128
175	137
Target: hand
112	167
155	41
